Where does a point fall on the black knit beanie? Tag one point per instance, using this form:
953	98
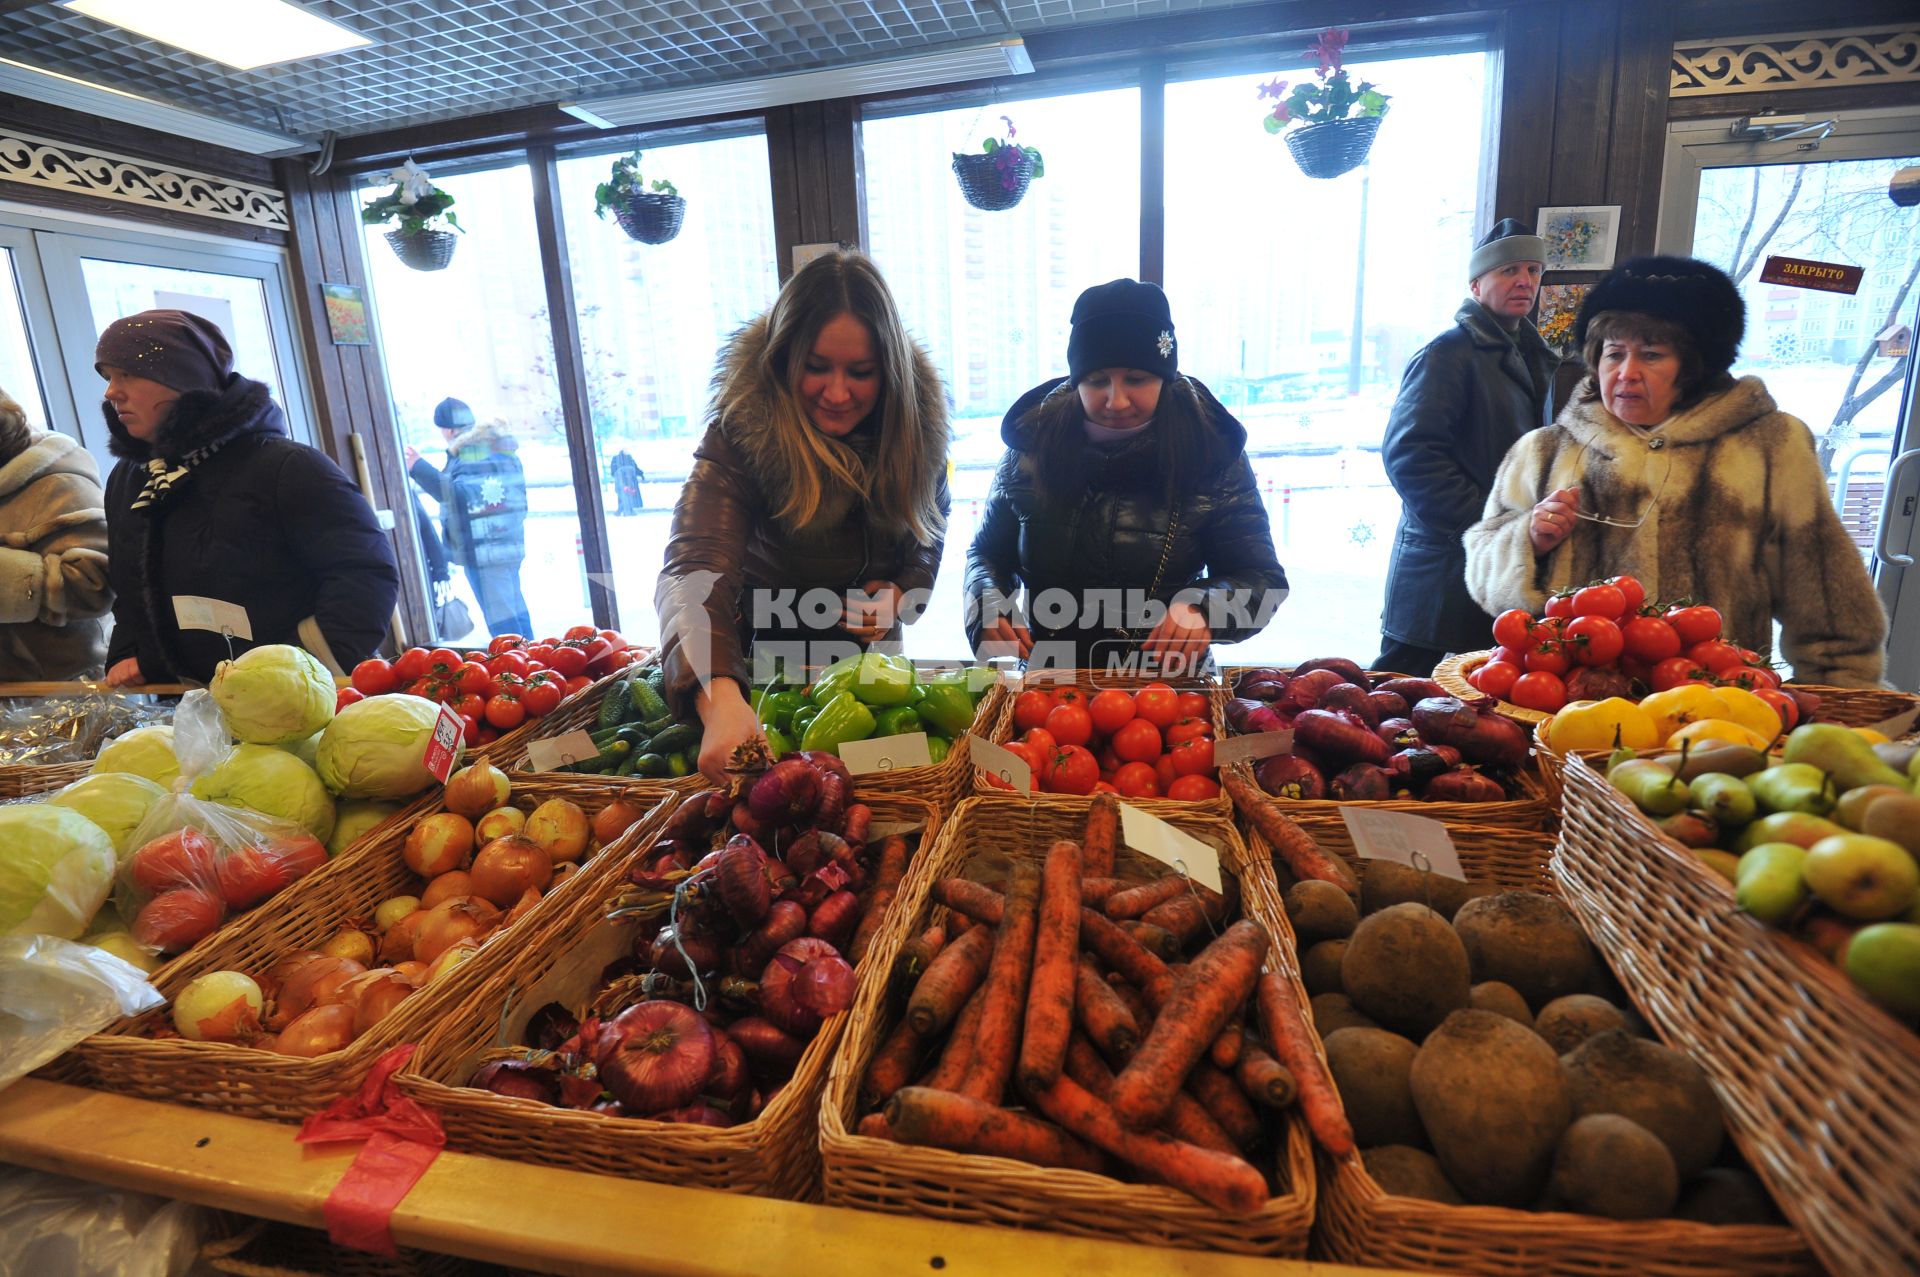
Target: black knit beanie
176	348
1686	291
452	414
1122	324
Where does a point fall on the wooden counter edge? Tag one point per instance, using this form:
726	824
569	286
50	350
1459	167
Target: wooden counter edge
536	1217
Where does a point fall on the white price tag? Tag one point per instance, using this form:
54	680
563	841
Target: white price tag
1154	837
1244	749
888	828
995	760
556	752
192	612
1414	841
886	753
1899	725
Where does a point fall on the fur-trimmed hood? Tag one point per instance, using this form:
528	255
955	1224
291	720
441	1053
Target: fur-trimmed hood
486	436
200	418
45	453
1742	403
1228	438
743	395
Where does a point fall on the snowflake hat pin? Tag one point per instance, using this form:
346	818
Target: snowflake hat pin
1164	343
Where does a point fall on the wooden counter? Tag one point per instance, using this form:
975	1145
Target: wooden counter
550	1220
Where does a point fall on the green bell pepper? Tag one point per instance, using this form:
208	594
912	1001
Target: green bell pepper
878	680
937	747
776	709
802	718
779	744
896	721
947	708
843	718
834	679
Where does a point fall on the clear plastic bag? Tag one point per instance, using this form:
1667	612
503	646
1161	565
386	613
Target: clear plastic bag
52	1224
72	728
56	993
194	861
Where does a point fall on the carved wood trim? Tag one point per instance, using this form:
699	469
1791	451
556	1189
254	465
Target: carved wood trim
62	166
1769	64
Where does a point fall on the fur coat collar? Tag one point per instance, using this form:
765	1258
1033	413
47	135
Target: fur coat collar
44	452
200	418
1733	409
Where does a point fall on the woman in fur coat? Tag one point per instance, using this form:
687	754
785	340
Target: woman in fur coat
1667	468
812	522
53	554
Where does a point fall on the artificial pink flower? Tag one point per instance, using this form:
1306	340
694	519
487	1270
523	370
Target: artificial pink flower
1275	89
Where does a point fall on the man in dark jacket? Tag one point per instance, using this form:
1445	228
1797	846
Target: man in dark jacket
1465	398
222	533
483	506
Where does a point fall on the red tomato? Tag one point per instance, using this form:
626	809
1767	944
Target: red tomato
1511	655
1677	670
1751	677
1560	605
1163	768
1137	742
1195	705
1784	705
1030	709
1497	678
506	712
487	734
472	677
1549	657
176	918
1630	589
470	730
184	857
1511	627
468	704
1158	704
1638	671
1650	639
1695	623
1595	640
568	661
1111	710
250	875
1105	788
1609	601
411	665
1186	729
541	698
1193	789
442	660
1070	724
1070	696
1041	739
374	677
1542	691
614	639
301	853
1074	771
514	663
505	643
347	696
581	632
1137	780
1721	658
538	654
1192	757
578	683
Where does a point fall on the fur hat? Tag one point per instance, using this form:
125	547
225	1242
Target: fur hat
1510	240
1122	324
1683	290
176	348
452	414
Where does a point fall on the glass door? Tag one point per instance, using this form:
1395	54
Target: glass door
29	354
1840	362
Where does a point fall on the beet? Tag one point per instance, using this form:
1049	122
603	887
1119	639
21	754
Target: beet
1388	705
1597	683
1464	785
1305	690
1399	733
1258	674
1291	776
1415	767
1355	700
1346	669
1339	736
1237	711
1481	735
1411	689
1362	782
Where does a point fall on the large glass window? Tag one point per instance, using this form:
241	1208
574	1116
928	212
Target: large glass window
989	293
236	303
652	319
17	376
1299	302
495	491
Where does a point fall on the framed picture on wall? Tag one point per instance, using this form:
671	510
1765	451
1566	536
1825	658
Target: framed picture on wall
347	314
1580	237
1559	307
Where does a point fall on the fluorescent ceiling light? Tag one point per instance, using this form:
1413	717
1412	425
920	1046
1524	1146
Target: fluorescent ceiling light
241	33
942	66
55	89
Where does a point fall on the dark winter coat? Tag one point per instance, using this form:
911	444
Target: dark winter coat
1464	400
483	497
726	550
1122	534
264	523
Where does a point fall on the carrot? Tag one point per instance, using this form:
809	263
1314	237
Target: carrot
950	980
893	1065
1007	976
1136	1003
1135	901
1294	845
1123	953
1094	891
1185	1120
976	900
886	884
1225	1051
1056	965
1102	1012
1292	1039
1221	1097
857	819
942	1119
914	959
1264	1078
874	1126
1220	980
1220	1180
958	1053
1154	939
1103	826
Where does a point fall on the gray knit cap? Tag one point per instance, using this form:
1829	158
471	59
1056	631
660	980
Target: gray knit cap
1509	241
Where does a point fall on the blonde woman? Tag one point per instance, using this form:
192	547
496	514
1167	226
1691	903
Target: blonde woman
813	519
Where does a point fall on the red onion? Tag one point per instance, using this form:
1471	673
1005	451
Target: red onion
786	920
786	794
655	1056
694	1115
701	947
729	1080
742	879
580	1091
747	823
692	820
835	919
778	996
771	1050
804	854
518	1080
825	986
833	797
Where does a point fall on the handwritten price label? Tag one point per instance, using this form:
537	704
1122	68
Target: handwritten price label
1244	749
886	753
556	752
997	761
1413	841
1154	837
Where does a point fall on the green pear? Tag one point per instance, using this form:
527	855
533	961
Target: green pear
1725	798
1796	827
1860	876
1794	787
1884	959
1690	828
1653	788
1767	882
1842	753
1893	815
1724	863
1851	810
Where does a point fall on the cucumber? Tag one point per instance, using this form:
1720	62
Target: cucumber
613	706
674	739
610	755
603	736
646	699
627	765
650	764
679	765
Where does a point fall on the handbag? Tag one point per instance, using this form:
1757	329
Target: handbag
451	619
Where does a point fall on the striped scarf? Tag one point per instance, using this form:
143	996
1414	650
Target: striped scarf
161	477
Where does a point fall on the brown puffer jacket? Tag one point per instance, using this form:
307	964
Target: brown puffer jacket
735	576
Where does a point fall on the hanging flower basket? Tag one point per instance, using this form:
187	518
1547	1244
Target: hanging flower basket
652	217
1335	147
984	183
423	250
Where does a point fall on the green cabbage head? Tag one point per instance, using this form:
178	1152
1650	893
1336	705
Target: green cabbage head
115	801
353	819
274	695
56	868
144	751
272	782
377	748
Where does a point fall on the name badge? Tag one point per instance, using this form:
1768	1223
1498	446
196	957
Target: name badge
192	612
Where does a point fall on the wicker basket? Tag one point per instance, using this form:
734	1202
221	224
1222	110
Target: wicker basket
281	1088
1090	682
652	217
423	250
1333	147
1858	706
580	711
902	1179
981	184
1359	1223
1452	675
28	780
775	1155
1818	1082
263	1248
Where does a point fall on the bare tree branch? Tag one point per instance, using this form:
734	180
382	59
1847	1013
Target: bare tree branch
1850	406
1760	245
1746	228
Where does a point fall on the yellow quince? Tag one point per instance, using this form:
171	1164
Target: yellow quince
1583	725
